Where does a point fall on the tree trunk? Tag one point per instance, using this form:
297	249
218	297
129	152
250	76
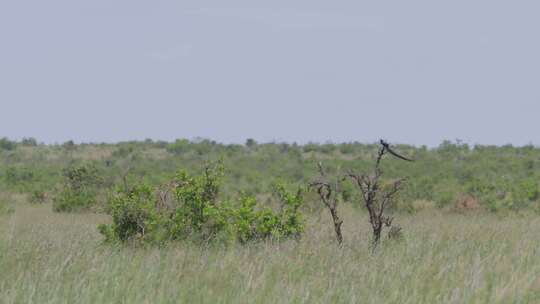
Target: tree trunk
337	225
376	236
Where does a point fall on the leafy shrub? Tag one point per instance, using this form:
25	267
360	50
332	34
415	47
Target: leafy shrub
6	144
145	215
179	147
133	212
20	179
69	200
255	224
291	218
196	207
420	189
528	190
17	176
29	142
511	196
251	224
251	143
204	147
79	189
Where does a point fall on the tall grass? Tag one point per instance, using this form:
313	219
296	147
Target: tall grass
444	258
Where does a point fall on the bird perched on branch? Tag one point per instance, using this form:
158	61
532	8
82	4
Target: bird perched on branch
387	147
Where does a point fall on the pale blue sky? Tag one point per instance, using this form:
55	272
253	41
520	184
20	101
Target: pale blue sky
410	71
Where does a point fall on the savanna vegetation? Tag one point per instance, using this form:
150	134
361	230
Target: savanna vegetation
200	221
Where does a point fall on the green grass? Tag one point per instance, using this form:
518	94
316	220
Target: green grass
47	257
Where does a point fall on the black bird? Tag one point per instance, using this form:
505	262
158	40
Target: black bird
387	147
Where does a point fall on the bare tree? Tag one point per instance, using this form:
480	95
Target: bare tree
377	198
329	193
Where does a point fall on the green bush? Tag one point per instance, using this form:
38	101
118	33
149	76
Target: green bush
291	219
256	224
251	143
6	144
69	200
195	213
22	179
133	214
18	175
196	209
29	142
79	189
528	190
179	147
348	193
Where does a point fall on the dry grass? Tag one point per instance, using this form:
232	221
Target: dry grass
57	258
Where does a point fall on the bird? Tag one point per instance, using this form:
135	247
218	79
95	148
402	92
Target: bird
387	147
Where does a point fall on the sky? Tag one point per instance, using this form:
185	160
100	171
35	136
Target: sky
414	72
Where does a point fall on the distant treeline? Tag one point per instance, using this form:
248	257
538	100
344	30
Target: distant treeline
495	178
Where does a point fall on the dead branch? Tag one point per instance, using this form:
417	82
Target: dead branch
376	199
329	193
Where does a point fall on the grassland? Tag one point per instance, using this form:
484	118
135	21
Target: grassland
48	257
449	254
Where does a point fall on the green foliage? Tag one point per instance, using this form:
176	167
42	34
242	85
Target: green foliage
29	142
197	214
196	210
179	147
521	195
500	177
70	200
246	217
133	213
251	143
528	189
15	176
79	189
256	224
420	188
348	192
493	203
79	177
6	144
204	147
291	218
